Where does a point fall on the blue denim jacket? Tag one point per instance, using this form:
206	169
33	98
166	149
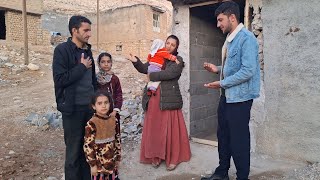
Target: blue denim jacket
242	68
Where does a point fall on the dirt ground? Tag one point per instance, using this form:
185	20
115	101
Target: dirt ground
28	152
37	152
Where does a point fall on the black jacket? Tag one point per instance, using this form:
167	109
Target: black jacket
170	95
66	73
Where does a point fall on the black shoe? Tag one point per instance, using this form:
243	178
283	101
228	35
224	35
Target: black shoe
216	177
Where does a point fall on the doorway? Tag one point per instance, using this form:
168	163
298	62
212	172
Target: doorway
206	41
2	25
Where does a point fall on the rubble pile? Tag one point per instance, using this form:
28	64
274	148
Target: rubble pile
131	120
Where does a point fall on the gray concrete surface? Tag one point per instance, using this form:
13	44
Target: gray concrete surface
55	22
181	29
203	161
291	128
285	119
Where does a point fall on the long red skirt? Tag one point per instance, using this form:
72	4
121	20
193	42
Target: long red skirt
164	135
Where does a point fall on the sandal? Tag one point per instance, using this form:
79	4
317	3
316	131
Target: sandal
155	165
171	167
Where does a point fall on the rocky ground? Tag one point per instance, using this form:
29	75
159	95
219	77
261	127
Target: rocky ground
32	144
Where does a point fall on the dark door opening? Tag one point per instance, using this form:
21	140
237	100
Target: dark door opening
2	25
206	41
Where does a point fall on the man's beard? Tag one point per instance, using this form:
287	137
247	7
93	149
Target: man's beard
228	29
82	40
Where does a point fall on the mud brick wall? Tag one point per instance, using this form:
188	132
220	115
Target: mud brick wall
14	28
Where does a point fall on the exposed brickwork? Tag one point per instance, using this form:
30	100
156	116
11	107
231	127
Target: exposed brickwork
34	6
131	27
14	28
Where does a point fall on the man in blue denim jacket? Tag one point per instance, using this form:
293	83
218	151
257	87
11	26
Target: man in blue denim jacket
239	84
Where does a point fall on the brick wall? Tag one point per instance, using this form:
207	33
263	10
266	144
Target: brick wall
206	41
14	28
130	27
34	6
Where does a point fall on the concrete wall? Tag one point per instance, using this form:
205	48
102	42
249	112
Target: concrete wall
206	41
291	128
52	21
131	27
34	6
201	41
181	29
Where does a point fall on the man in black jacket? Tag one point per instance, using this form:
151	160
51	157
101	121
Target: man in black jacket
74	83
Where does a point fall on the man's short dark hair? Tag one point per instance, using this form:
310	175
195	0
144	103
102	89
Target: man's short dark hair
227	8
75	22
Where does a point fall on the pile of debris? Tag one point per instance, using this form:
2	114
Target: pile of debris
57	39
131	120
13	60
50	119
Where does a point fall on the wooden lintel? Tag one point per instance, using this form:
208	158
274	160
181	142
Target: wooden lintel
204	141
204	3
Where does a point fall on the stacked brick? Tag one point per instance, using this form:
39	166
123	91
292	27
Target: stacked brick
14	28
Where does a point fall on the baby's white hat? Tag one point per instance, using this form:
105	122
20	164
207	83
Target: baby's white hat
156	45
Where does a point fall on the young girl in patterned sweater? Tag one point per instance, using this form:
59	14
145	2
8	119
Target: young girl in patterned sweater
102	139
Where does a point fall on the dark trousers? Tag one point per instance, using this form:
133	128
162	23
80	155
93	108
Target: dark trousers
76	166
234	137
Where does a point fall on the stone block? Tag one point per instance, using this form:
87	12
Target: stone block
9	65
211	124
196	127
199	76
193	39
16	70
197	89
215	92
198	114
201	39
212	110
32	117
33	67
201	100
208	51
196	51
4	60
196	63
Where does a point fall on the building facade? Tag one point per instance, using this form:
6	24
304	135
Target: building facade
11	22
285	119
130	29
